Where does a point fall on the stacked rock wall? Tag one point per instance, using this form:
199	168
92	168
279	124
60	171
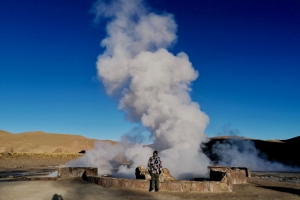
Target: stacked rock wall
222	179
180	186
238	174
67	172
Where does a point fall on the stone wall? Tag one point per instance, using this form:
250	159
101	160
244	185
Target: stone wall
179	186
222	180
238	174
67	172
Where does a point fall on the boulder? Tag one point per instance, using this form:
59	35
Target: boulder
82	152
142	173
58	150
9	150
165	176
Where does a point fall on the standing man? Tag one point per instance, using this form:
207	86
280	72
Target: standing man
154	168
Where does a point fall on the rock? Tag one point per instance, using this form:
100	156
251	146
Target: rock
58	150
114	183
186	185
163	186
196	186
9	150
214	186
142	173
128	184
223	187
206	186
141	184
165	176
82	152
174	186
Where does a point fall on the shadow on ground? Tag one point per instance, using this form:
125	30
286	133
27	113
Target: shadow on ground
84	190
282	189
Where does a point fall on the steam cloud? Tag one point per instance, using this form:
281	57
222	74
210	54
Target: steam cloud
239	152
154	86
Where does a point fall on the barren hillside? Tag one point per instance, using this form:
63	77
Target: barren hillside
40	142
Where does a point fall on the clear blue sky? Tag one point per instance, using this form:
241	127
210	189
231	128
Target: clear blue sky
247	54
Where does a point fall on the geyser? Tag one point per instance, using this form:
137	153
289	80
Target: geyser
153	85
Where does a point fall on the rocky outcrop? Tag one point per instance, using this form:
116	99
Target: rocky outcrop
165	176
142	173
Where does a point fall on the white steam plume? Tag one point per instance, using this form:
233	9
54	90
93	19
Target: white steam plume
154	86
243	153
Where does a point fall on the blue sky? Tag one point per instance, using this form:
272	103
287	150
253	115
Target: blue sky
247	54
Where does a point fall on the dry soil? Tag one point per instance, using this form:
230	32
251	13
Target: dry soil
77	189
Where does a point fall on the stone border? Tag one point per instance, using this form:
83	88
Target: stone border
37	178
67	172
29	179
222	179
179	186
238	174
222	184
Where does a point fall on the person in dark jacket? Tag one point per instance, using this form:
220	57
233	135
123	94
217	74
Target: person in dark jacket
154	168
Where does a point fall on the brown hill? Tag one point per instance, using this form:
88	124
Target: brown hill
40	142
4	133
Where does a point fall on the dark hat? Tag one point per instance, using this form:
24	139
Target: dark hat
155	152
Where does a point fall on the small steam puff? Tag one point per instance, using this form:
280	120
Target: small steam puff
108	158
154	86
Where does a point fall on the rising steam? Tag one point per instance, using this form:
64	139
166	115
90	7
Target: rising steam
154	86
240	152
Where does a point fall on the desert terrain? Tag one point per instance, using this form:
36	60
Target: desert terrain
39	151
41	142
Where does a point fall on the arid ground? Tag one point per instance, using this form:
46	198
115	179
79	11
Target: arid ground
27	160
77	189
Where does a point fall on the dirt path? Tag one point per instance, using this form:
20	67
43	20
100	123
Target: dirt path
76	189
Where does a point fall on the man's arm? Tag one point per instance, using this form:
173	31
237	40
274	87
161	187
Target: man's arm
149	164
160	166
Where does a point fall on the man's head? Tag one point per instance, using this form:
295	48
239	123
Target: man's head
155	153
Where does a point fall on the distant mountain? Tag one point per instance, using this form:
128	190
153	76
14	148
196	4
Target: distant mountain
41	142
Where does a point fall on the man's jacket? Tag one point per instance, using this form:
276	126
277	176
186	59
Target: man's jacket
154	165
